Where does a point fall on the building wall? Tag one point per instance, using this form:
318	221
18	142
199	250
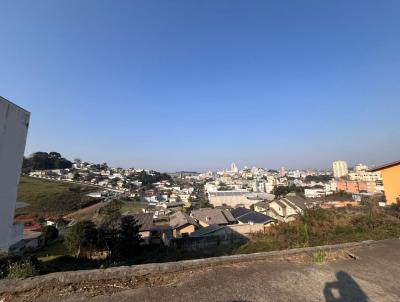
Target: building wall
247	229
280	210
14	122
356	187
339	168
230	200
391	183
187	229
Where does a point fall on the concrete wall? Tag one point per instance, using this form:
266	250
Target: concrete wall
247	229
128	272
231	200
224	236
14	122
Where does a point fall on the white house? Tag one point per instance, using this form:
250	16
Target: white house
285	209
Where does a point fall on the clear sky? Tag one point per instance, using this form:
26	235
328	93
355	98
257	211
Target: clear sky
196	85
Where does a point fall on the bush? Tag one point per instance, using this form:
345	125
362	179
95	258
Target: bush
5	259
21	269
49	233
16	266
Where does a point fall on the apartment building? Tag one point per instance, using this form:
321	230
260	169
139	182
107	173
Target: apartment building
356	187
339	168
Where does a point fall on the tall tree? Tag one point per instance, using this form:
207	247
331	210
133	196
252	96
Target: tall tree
109	226
129	238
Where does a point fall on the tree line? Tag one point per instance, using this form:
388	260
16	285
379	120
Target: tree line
45	161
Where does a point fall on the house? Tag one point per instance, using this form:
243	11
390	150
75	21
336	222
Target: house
207	216
246	216
391	181
232	198
146	222
211	230
285	209
261	207
182	224
238	232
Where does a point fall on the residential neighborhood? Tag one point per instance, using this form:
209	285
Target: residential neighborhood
172	207
230	151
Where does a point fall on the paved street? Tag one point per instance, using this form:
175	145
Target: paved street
373	277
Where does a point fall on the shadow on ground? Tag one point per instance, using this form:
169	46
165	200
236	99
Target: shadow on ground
345	289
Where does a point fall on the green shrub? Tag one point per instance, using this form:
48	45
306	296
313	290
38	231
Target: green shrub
319	257
21	269
49	233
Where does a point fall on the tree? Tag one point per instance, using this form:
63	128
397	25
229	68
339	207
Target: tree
54	155
282	191
318	178
45	161
148	179
112	212
82	238
62	163
129	238
109	225
76	176
49	233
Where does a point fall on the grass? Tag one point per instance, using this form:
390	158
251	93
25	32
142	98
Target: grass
49	197
134	207
316	227
322	227
319	257
21	269
52	251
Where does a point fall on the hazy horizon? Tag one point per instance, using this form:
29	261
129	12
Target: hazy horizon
194	86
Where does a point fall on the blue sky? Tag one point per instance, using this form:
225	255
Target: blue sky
195	85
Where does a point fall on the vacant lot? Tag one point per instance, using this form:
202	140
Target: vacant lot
50	198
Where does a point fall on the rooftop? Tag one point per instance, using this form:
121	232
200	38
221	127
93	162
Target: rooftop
213	216
180	219
385	166
145	220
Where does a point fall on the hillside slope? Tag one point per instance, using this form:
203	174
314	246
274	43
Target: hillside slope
50	197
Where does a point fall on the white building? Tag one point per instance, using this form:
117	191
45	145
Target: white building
232	198
340	168
14	122
234	168
314	193
285	209
360	167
